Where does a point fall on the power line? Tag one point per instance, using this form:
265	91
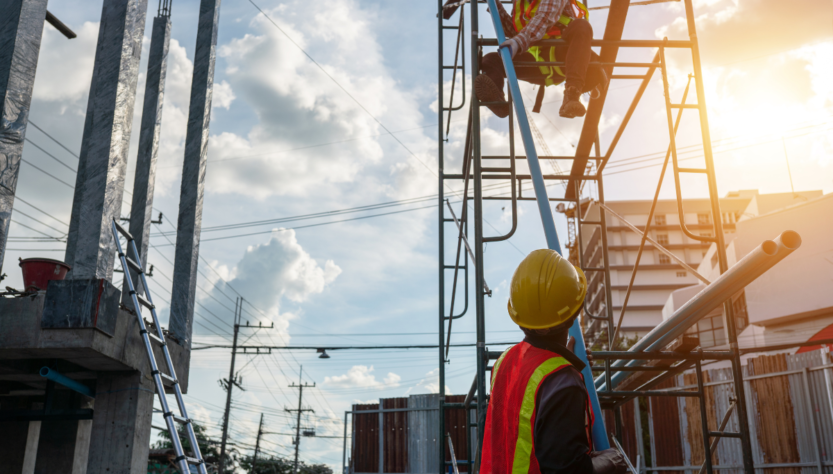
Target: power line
54	139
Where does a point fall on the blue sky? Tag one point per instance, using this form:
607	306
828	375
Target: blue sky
286	140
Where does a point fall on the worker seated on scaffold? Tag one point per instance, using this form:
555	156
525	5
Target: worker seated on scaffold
531	21
539	418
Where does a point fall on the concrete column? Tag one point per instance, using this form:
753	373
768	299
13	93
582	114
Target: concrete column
99	183
193	176
21	28
120	437
141	212
31	453
80	457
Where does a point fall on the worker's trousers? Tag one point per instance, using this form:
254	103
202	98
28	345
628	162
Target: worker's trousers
576	54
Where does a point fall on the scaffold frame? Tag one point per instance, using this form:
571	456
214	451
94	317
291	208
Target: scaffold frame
474	171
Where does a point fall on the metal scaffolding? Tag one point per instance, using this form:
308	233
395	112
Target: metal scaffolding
665	361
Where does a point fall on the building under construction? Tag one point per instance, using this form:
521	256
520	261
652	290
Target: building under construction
84	357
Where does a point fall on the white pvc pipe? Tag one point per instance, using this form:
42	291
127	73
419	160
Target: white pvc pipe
750	267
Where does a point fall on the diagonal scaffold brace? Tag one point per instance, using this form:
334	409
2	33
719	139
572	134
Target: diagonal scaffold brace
600	439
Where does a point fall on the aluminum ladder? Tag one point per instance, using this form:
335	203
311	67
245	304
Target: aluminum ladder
149	338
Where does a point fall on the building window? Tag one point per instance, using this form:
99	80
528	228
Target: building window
710	331
703	219
741	313
681	274
664	259
662	239
659	219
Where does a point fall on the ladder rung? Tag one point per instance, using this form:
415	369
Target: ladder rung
692	170
593	269
123	231
592	222
144	302
452	67
499	102
685	106
451	27
180	419
167	377
497	170
193	460
135	266
153	337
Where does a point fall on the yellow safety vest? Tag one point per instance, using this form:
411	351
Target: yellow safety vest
522	13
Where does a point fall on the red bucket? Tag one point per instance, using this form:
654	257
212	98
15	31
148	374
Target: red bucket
38	271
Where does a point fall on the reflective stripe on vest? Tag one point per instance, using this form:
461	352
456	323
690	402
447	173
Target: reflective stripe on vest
522	13
508	444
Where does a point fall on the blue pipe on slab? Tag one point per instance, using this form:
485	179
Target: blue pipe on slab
67	382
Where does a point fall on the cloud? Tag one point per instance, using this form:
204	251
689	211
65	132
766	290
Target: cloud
270	273
729	30
299	108
360	376
429	384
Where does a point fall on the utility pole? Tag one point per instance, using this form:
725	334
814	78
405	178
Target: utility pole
257	442
299	410
235	379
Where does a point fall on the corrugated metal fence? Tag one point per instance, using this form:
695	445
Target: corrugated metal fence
408	435
790	404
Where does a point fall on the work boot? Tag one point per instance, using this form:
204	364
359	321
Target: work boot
596	92
488	91
572	107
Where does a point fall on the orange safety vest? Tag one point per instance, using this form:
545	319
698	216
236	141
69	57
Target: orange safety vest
508	438
522	13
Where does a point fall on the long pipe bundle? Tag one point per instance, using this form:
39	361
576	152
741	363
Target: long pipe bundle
721	289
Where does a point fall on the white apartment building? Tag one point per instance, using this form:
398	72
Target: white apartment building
659	275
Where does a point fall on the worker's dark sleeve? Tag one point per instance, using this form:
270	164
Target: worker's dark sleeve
560	437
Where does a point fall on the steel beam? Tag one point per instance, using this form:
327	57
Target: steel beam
21	29
99	184
613	32
193	175
141	209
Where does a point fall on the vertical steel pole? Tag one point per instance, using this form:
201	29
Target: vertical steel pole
20	38
382	438
808	398
344	449
141	210
704	420
441	235
611	344
480	310
731	330
99	183
189	223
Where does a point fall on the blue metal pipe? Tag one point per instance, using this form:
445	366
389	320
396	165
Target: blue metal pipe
600	440
67	382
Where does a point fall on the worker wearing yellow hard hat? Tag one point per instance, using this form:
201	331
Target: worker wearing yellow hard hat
539	418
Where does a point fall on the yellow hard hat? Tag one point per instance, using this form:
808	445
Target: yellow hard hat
546	290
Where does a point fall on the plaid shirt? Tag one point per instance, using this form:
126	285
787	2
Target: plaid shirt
548	13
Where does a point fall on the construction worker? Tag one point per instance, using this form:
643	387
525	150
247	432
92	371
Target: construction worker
531	21
539	418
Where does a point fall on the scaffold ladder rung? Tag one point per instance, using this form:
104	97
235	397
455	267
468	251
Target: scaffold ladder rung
134	263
